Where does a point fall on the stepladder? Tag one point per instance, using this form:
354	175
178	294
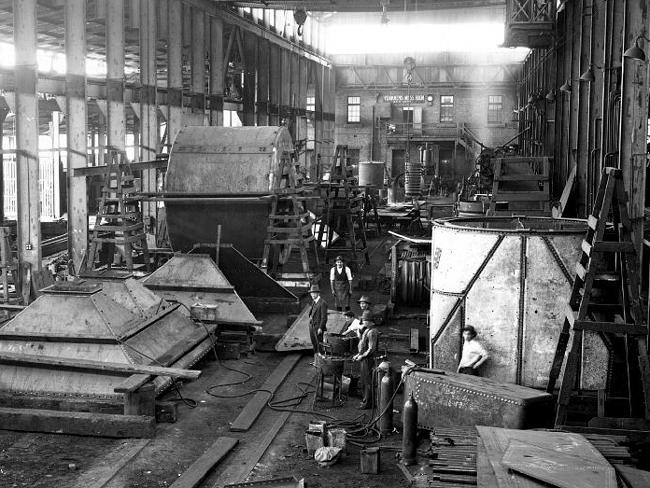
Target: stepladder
290	229
118	225
605	301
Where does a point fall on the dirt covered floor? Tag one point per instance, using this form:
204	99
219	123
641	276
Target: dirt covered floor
42	460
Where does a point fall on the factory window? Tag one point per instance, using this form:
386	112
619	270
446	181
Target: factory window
495	109
354	109
447	108
311	104
407	115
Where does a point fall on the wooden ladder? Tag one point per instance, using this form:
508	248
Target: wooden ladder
119	222
344	212
623	318
524	184
290	226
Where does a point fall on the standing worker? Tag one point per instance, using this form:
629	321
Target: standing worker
341	283
368	345
364	303
317	318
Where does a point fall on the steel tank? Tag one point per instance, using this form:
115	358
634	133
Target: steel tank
511	279
371	173
221	175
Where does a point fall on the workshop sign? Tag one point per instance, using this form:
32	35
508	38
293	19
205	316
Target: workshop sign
404	99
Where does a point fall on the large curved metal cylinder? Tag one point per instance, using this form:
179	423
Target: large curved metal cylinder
220	175
511	279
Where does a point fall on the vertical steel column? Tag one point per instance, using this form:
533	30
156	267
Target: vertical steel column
634	117
149	138
174	70
4	110
76	118
116	117
216	71
198	60
27	132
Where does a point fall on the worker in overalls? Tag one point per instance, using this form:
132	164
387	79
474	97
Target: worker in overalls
368	345
341	283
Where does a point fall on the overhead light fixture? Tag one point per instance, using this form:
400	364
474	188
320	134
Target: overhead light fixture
300	16
635	52
588	75
566	87
550	96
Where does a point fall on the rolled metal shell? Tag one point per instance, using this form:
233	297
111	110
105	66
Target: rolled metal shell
511	279
221	175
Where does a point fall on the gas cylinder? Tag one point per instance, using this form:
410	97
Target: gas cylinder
410	431
386	403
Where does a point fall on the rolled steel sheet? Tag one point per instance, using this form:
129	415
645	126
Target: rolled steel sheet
234	161
511	279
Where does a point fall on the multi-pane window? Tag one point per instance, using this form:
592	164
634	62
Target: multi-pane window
495	109
447	108
354	109
310	106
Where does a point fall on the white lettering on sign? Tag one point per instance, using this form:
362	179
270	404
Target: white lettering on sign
404	98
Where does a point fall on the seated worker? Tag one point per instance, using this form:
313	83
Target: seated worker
368	345
356	325
473	355
352	324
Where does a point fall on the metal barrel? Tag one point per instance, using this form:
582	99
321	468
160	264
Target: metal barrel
510	278
371	173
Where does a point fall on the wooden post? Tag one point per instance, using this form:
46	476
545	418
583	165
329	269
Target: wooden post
141	401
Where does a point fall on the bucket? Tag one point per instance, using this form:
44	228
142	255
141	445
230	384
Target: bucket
370	460
313	441
337	438
338	343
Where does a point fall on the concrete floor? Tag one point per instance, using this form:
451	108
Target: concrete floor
41	460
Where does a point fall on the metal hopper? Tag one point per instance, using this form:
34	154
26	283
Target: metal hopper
195	278
81	321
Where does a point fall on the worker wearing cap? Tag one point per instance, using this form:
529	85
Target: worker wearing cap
317	318
364	303
341	283
368	345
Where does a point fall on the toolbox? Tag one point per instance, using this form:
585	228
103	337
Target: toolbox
454	399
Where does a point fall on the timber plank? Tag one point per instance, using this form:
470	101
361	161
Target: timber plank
100	474
634	478
77	423
238	472
197	472
254	407
557	468
50	362
484	472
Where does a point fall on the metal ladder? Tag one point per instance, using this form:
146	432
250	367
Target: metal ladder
623	318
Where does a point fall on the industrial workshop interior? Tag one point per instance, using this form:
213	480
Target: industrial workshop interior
324	243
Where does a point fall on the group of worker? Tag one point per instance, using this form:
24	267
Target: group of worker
473	353
363	328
